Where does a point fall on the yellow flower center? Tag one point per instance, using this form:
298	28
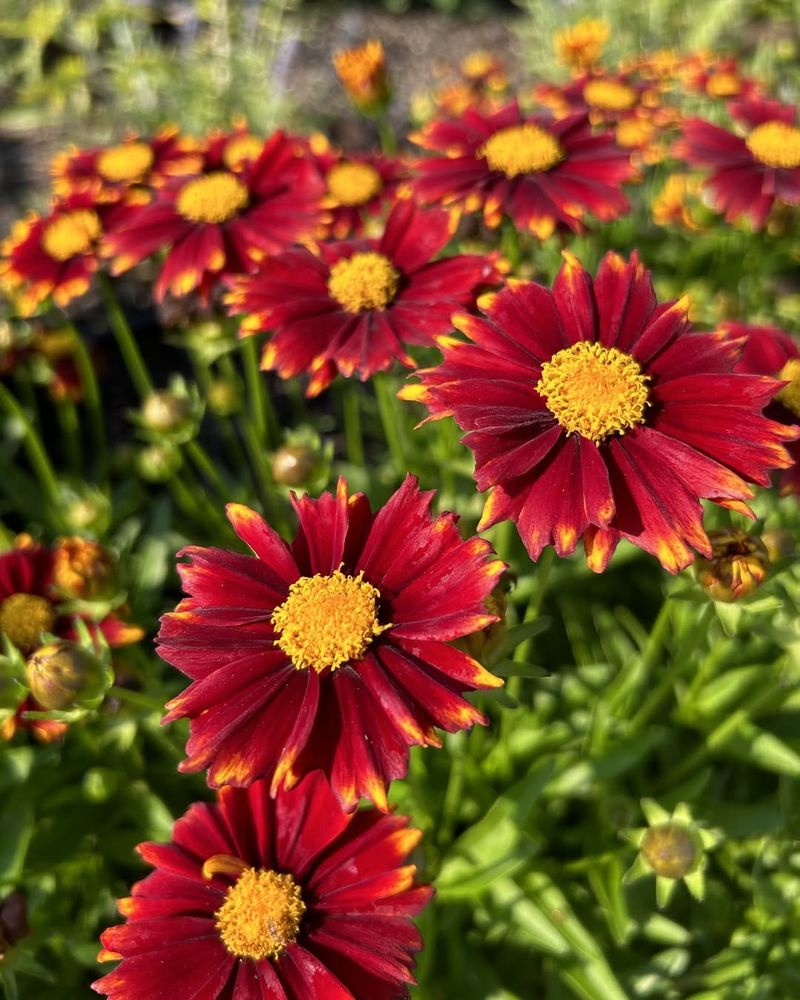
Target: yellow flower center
327	621
723	85
23	618
609	95
353	183
363	281
240	149
261	914
477	64
593	390
129	162
522	149
776	144
71	234
634	132
789	395
216	198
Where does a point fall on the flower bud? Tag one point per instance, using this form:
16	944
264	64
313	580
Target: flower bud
82	568
362	72
158	462
293	465
670	850
224	397
163	411
62	675
737	567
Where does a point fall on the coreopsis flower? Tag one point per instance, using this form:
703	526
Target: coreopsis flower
258	897
749	173
546	174
358	186
135	162
677	202
608	98
581	45
56	255
222	222
737	567
362	72
332	652
719	78
663	66
35	583
233	150
484	70
353	305
672	847
595	412
771	351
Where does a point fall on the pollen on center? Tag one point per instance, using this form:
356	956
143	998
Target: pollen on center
261	914
522	149
594	390
775	144
609	95
364	281
71	234
23	618
327	621
129	162
353	183
215	198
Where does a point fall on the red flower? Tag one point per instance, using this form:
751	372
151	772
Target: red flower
254	897
353	306
110	171
222	222
31	595
543	173
57	254
333	652
749	173
606	98
719	78
770	351
594	412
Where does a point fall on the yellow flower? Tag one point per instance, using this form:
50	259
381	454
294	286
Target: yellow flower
672	205
580	46
362	71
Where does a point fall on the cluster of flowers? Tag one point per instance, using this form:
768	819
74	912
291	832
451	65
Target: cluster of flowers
594	412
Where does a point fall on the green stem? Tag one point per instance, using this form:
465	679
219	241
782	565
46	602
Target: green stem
265	488
125	339
70	431
390	420
387	136
136	698
261	409
206	467
34	448
353	435
91	394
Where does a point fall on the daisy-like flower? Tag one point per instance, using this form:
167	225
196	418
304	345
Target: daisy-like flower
749	173
256	897
595	413
719	78
56	255
233	150
581	45
222	222
135	162
354	305
608	98
332	652
543	173
771	351
36	584
358	186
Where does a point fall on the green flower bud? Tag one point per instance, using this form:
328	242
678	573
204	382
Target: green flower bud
224	397
164	412
62	675
158	462
670	850
293	465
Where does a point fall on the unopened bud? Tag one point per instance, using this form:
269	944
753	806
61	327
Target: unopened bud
163	411
362	72
292	465
670	850
224	397
158	462
737	567
62	675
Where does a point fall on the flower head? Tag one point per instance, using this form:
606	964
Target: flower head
594	412
332	652
222	222
258	896
354	305
737	567
749	173
362	72
581	45
544	174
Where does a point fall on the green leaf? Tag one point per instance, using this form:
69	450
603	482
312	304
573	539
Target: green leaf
16	829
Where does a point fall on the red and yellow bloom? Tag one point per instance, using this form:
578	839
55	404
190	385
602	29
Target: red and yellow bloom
332	652
595	413
545	174
353	306
222	222
258	897
749	173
